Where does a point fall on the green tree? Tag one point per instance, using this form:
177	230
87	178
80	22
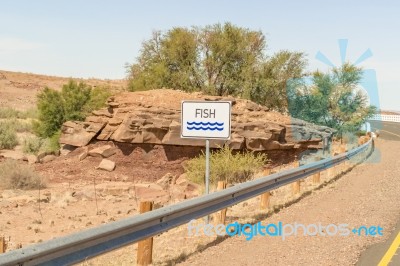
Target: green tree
332	99
51	112
74	102
230	56
270	84
167	60
219	59
75	96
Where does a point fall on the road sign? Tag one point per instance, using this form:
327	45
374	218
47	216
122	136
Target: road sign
206	119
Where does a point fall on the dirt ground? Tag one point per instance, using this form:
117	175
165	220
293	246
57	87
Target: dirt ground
19	90
78	197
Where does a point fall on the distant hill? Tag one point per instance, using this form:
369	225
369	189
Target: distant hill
383	112
19	90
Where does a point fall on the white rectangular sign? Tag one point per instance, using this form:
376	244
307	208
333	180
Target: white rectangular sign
206	119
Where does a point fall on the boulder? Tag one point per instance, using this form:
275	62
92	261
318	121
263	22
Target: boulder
106	165
66	149
84	154
48	158
79	134
32	159
103	151
166	181
150	192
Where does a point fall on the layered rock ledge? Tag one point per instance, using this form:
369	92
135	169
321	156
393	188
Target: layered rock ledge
153	117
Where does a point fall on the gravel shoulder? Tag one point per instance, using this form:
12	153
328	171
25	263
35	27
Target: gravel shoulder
368	195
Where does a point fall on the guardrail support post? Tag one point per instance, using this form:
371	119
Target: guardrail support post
264	203
3	245
221	215
145	247
296	184
343	165
317	178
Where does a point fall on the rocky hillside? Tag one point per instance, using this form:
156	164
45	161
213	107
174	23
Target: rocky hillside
153	117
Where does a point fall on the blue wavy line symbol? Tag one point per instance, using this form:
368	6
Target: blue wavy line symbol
205	126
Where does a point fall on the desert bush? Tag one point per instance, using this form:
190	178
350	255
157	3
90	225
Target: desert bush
32	145
74	102
8	112
18	176
51	144
51	113
360	133
30	113
36	144
21	125
225	166
8	135
97	100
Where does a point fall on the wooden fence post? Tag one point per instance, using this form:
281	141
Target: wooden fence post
317	178
264	203
3	245
296	184
345	163
221	215
145	247
333	169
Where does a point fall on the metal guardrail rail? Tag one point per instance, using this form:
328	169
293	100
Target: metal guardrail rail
92	242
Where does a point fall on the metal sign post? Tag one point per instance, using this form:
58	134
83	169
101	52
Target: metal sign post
207	174
206	120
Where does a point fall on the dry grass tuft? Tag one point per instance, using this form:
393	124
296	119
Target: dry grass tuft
18	176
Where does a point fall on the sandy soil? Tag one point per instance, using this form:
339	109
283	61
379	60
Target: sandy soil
18	90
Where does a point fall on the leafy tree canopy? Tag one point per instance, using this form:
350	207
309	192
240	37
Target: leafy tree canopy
219	59
74	102
332	99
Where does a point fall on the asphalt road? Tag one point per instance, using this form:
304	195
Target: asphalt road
378	253
388	130
386	253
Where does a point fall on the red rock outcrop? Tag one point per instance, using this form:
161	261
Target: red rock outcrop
153	117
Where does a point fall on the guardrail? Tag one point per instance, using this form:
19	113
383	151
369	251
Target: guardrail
92	242
385	118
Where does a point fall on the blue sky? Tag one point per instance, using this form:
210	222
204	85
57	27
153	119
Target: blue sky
96	38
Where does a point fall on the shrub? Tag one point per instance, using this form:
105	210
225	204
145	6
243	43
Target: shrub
51	113
98	97
225	166
8	135
18	176
52	144
21	125
360	133
35	144
30	113
8	112
74	102
74	97
32	145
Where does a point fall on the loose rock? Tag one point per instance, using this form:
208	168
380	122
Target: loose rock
106	165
